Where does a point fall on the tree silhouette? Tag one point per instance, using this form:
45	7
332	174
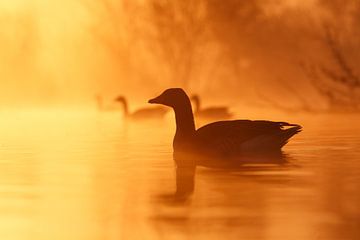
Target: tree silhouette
338	80
180	35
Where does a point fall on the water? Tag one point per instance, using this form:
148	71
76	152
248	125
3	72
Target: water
70	175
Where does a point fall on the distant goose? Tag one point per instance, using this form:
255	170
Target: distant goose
209	112
101	107
99	102
142	113
224	140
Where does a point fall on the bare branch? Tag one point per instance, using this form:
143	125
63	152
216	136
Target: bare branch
348	77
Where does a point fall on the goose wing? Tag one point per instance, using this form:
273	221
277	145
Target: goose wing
232	137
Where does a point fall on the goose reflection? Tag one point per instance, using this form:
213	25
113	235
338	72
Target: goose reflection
224	144
186	174
142	113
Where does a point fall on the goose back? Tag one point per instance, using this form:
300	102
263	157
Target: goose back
214	112
155	112
231	138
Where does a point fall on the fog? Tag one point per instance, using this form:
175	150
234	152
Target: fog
274	54
75	164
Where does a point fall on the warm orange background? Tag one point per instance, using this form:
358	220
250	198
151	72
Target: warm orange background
65	52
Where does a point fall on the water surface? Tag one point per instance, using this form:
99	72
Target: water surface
75	175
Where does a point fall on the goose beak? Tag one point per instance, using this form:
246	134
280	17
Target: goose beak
154	100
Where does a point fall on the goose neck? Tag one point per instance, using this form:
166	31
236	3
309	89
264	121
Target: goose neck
125	106
184	120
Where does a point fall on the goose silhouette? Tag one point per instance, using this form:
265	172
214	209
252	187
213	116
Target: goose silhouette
99	102
142	113
101	107
209	112
223	142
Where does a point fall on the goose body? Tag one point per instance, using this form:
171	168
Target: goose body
224	140
243	137
142	113
217	112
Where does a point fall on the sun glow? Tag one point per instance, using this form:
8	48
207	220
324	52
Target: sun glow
13	4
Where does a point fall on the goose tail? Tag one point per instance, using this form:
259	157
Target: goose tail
288	133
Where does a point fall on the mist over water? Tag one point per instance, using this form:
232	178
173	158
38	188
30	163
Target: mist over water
75	166
264	52
85	175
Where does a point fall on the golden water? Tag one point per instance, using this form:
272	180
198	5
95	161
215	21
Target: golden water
90	176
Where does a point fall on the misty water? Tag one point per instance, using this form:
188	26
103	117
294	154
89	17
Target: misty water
74	175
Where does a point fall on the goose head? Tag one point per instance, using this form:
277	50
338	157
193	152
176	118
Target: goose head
172	97
120	99
195	98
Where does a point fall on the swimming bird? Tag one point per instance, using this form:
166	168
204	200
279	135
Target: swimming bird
216	112
101	107
142	113
224	141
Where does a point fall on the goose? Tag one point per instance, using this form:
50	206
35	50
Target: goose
223	142
101	107
99	102
142	113
209	112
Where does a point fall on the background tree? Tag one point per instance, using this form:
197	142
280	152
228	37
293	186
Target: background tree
167	43
180	36
117	28
337	79
19	53
251	48
335	76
